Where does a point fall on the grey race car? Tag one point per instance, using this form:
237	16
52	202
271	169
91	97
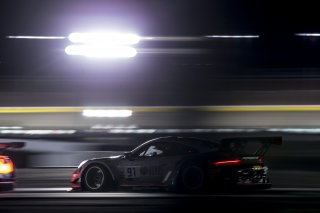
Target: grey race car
181	164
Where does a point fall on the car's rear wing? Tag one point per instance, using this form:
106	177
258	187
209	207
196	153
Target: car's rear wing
8	145
239	144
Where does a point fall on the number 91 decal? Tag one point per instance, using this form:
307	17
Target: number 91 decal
131	172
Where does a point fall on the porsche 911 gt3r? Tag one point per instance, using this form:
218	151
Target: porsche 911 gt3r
180	164
7	167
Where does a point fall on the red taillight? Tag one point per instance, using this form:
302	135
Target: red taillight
227	162
6	166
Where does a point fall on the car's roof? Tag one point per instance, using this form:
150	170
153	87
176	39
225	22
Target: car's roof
224	145
195	142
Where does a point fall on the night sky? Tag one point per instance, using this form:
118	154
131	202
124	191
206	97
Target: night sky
42	65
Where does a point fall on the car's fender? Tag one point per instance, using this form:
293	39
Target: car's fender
90	162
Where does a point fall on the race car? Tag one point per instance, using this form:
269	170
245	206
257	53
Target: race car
182	164
7	167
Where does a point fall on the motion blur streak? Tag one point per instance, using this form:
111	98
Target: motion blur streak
233	36
239	108
194	38
101	51
37	132
172	51
308	34
282	108
36	37
100	38
39	109
106	113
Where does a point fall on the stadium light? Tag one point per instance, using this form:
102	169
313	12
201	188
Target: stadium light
102	45
102	38
101	51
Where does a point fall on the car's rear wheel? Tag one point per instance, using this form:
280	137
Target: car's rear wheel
96	178
191	179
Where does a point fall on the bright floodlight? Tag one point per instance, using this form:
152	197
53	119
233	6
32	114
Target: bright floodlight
101	51
111	38
106	113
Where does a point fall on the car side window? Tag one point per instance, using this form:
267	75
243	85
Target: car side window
150	150
167	149
154	149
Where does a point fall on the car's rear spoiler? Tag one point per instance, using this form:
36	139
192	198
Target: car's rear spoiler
266	142
270	140
11	145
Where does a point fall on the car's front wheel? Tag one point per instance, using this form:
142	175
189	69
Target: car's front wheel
96	178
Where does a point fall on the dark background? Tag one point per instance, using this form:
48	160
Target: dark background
228	65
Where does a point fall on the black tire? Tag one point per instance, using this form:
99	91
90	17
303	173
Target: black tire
96	178
192	179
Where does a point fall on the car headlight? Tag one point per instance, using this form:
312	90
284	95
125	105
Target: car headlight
6	166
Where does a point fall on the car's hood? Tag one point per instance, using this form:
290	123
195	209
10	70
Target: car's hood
115	157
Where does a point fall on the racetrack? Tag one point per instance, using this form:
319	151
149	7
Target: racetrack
293	169
59	178
52	200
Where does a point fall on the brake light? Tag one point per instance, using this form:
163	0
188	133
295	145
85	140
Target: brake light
6	166
227	162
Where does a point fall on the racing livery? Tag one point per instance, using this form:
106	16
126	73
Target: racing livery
7	167
180	164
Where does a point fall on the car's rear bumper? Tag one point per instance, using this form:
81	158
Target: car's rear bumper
244	178
254	178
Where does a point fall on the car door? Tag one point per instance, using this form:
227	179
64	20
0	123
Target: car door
159	162
151	165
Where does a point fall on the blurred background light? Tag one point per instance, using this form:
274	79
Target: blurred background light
101	38
106	113
111	126
11	127
36	37
232	36
308	34
37	132
101	51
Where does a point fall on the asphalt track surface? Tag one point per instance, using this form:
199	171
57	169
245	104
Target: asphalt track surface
293	170
60	199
